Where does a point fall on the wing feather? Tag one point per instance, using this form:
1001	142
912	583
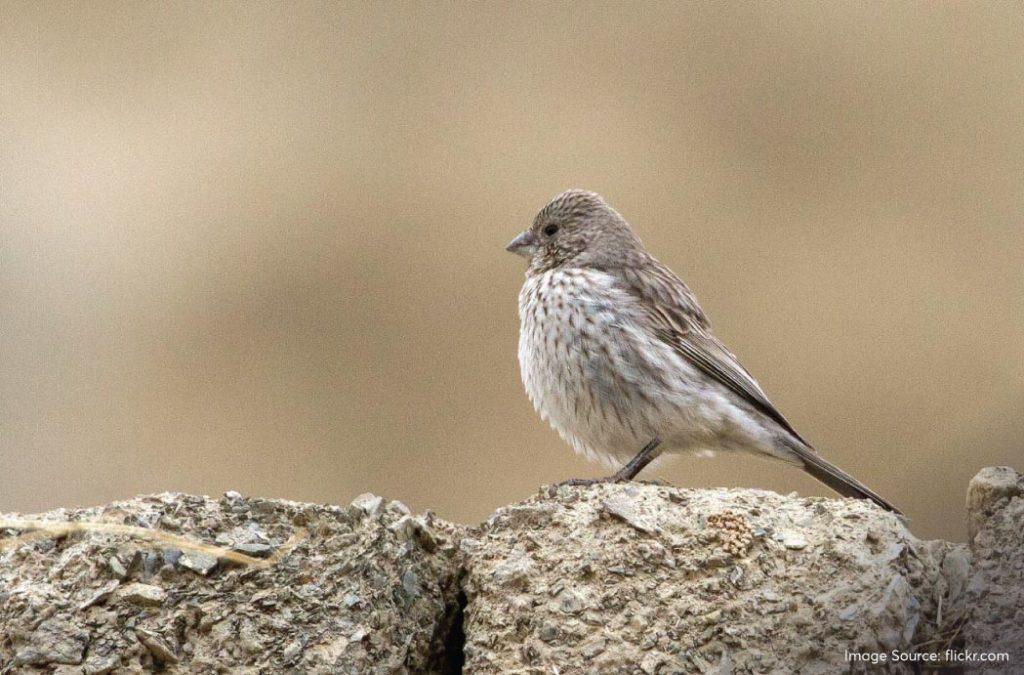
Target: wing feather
678	320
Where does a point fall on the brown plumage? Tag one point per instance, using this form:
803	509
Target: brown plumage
616	353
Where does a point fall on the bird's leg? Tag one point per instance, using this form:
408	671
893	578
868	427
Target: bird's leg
647	455
634	466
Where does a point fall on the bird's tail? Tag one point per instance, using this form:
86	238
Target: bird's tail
837	479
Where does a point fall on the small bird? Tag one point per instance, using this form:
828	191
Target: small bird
617	355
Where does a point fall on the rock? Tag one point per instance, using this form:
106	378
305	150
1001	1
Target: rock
142	595
349	597
622	605
987	490
368	503
995	589
609	578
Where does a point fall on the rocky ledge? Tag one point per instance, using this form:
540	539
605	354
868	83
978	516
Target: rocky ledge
632	578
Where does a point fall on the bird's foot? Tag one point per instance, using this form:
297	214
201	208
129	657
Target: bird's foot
614	478
585	482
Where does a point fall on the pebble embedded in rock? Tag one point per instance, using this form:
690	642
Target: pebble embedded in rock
171	555
403	528
410	584
198	562
398	507
117	567
267	598
408	528
291	651
793	540
593	649
144	563
368	503
625	509
652	662
254	550
142	595
570	603
101	664
99	596
515	568
157	645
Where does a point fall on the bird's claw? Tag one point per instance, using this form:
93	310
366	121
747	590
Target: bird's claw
587	482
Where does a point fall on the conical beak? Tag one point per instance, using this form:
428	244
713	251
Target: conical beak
525	245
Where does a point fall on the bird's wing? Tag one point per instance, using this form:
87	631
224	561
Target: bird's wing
660	290
677	319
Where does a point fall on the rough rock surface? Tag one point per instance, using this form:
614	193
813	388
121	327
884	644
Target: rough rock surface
644	578
632	578
995	503
369	589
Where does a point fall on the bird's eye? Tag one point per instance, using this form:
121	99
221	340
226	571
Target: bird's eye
550	230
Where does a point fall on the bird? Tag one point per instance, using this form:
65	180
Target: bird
617	355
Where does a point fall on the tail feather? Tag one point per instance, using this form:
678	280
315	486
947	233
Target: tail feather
837	479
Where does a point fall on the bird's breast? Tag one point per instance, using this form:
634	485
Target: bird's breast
561	324
584	363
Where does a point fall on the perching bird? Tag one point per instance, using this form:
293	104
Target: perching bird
617	355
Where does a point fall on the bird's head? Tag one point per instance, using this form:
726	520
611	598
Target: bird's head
576	229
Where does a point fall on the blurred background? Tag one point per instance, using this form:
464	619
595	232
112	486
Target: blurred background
259	246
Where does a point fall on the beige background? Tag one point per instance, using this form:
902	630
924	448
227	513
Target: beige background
259	247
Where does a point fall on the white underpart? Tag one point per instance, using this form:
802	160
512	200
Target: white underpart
608	403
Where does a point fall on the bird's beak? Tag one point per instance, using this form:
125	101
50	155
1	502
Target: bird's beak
525	245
